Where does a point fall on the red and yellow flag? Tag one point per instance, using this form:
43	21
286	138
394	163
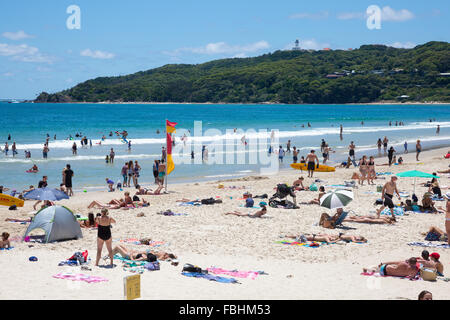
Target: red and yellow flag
170	128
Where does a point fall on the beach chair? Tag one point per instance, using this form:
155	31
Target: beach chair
341	218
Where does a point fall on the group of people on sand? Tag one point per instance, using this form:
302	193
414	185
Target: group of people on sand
125	203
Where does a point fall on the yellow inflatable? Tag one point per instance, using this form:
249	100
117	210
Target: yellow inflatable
6	200
304	167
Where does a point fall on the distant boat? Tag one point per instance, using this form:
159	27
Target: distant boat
13	101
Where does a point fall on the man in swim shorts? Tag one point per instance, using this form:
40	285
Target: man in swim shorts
387	195
311	159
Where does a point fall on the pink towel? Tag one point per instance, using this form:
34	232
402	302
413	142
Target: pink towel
79	277
234	273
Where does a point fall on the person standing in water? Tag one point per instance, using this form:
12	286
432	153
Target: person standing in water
74	149
385	144
438	129
111	155
295	155
68	175
288	146
406	146
45	151
14	149
379	144
351	151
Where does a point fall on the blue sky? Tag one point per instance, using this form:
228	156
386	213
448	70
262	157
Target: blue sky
39	53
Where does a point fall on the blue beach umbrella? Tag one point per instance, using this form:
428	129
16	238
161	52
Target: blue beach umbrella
46	194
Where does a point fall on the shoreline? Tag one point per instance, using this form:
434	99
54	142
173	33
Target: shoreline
249	103
207	237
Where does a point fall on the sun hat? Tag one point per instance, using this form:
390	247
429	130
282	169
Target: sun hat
435	255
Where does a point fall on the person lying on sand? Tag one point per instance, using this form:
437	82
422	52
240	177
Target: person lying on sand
257	214
4	243
328	238
370	219
142	255
408	268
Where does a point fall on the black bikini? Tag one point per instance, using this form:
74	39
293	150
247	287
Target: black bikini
104	232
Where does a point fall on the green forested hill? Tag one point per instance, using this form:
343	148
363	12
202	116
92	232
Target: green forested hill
368	74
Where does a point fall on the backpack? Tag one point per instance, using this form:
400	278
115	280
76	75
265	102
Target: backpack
313	187
81	257
152	266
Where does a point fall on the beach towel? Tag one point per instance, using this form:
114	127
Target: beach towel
79	277
235	273
128	262
377	274
398	211
309	244
430	244
188	204
137	269
384	173
209	277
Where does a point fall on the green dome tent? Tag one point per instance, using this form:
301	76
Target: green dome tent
59	223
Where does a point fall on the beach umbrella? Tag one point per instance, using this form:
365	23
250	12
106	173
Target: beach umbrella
415	174
336	199
46	194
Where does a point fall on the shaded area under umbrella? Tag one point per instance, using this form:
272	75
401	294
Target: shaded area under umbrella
415	174
46	194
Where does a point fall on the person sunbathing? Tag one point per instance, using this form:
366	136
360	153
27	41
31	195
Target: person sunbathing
328	238
4	243
326	221
113	204
143	255
143	191
257	214
370	219
435	234
408	268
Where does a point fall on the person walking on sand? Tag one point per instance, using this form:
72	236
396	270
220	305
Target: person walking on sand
418	149
68	175
391	155
311	159
104	235
387	194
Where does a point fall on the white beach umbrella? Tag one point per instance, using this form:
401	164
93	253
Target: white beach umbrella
336	199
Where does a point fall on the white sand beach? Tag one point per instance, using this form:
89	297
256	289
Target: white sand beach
207	237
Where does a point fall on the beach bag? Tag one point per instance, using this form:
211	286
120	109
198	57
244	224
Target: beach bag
428	274
249	203
313	187
152	266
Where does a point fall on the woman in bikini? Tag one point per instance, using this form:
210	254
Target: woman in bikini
363	169
104	235
257	214
370	219
328	238
371	174
90	223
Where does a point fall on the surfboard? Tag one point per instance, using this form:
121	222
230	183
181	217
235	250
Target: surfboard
7	200
304	167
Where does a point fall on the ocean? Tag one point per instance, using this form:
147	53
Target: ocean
29	124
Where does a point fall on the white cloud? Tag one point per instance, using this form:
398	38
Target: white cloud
24	53
351	15
402	45
223	48
97	54
387	14
305	15
19	35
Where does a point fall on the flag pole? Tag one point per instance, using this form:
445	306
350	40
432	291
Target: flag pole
165	160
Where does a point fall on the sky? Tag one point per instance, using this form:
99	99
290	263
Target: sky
41	48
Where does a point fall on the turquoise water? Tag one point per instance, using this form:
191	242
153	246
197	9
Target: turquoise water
29	124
